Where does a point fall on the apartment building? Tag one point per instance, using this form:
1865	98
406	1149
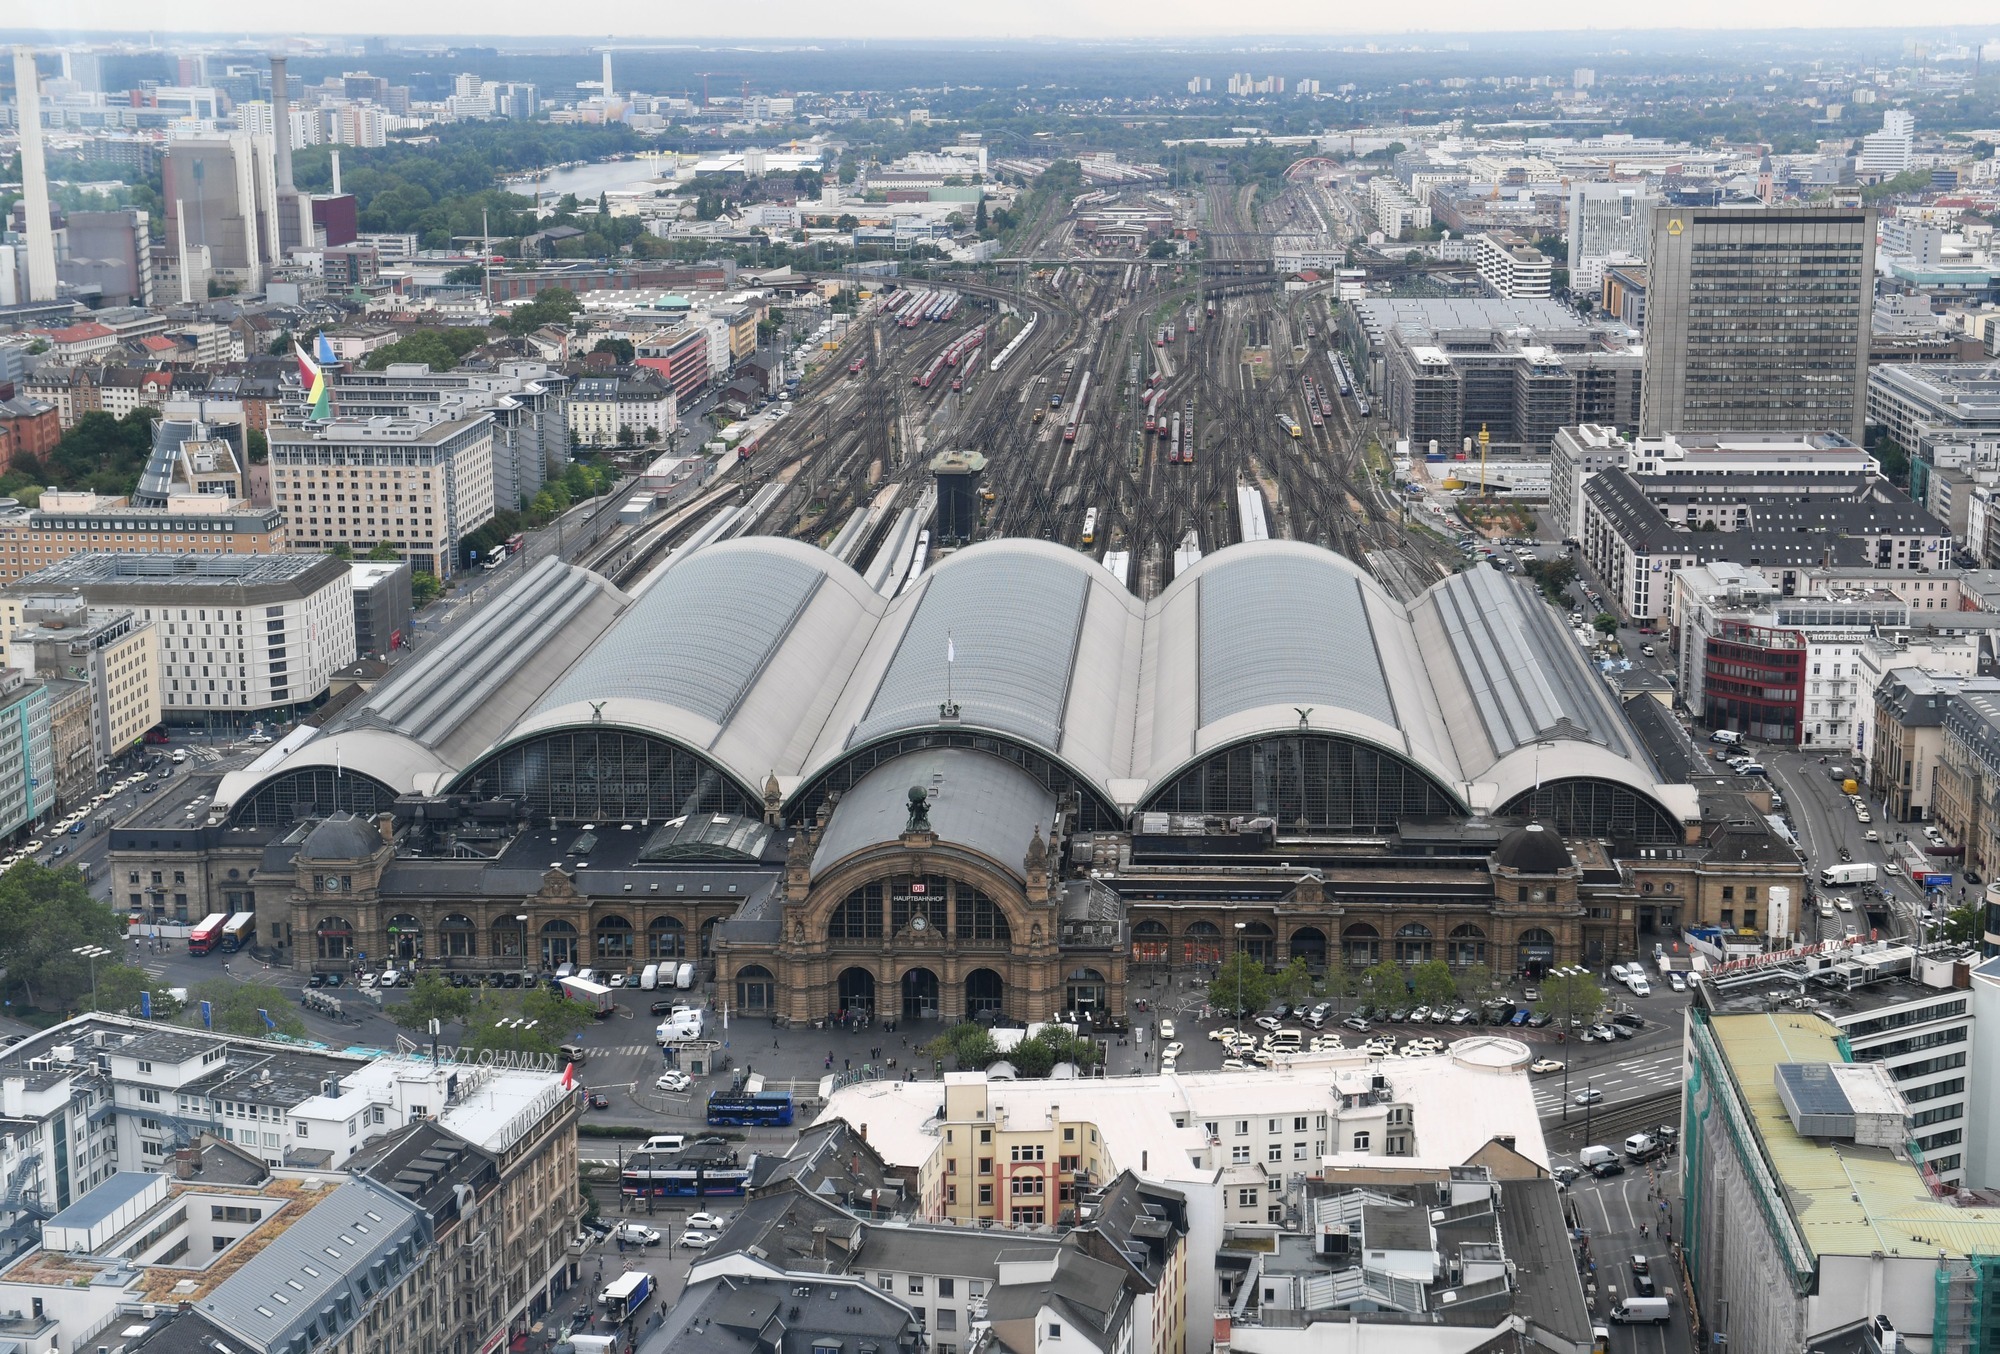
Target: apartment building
1965	788
238	635
1238	1146
1511	267
416	485
28	786
604	410
111	651
1908	739
453	1195
70	522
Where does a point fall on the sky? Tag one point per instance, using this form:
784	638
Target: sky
778	20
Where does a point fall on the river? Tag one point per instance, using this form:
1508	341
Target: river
587	181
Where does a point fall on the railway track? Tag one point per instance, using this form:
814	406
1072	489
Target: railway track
852	436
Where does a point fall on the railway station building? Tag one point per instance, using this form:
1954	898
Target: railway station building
1002	791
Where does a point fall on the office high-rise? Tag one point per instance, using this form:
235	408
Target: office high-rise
1757	319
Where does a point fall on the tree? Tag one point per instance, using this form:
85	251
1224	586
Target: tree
1160	249
1553	576
432	998
847	221
342	550
1385	985
1240	984
1052	1044
258	445
1605	623
1431	983
1569	997
1895	461
1961	925
424	588
465	274
968	1044
243	1008
1295	983
979	217
118	989
1476	984
384	553
1337	983
281	346
45	915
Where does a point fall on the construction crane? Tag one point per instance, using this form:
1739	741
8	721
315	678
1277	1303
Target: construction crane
739	75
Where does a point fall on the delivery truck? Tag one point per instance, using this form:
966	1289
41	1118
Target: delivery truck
594	995
1840	876
1641	1312
625	1294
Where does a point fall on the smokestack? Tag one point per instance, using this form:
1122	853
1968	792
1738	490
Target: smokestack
34	178
281	124
336	173
608	86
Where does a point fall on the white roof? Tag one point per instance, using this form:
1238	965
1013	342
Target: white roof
767	655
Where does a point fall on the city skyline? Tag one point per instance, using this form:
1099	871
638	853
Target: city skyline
1036	21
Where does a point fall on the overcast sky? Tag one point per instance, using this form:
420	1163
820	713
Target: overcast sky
779	20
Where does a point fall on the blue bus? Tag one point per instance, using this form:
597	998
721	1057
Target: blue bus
756	1109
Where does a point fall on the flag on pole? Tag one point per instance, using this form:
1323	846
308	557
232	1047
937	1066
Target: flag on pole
569	1076
313	382
323	350
950	650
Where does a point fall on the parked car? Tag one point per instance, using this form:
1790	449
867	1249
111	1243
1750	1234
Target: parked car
706	1222
1355	1022
673	1081
636	1234
696	1241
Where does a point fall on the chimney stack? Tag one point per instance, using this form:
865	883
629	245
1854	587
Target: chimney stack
34	178
608	86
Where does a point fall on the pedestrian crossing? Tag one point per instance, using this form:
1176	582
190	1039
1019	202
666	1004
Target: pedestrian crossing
1619	1081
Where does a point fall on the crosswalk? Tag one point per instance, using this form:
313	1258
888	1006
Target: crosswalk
1620	1081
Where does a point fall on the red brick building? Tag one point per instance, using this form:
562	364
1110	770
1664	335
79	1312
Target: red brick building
27	427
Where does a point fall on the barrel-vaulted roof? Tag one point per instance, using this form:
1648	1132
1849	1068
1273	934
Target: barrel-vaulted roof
768	656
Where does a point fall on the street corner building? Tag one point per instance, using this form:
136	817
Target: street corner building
998	792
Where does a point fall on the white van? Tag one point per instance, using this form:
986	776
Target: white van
649	977
1638	985
684	977
665	1142
1726	737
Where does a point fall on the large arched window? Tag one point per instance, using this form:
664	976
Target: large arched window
614	939
1413	943
456	936
1360	945
1256	940
1466	947
559	944
1322	780
1202	943
980	920
666	938
1583	807
859	915
1150	942
334	938
510	937
756	989
581	775
406	937
311	792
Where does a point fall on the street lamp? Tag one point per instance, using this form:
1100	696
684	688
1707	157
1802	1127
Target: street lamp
1563	1008
93	953
1240	926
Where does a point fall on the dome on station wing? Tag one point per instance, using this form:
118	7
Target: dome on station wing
341	837
1534	849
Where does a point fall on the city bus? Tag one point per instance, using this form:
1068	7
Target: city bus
516	541
757	1108
238	931
207	932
